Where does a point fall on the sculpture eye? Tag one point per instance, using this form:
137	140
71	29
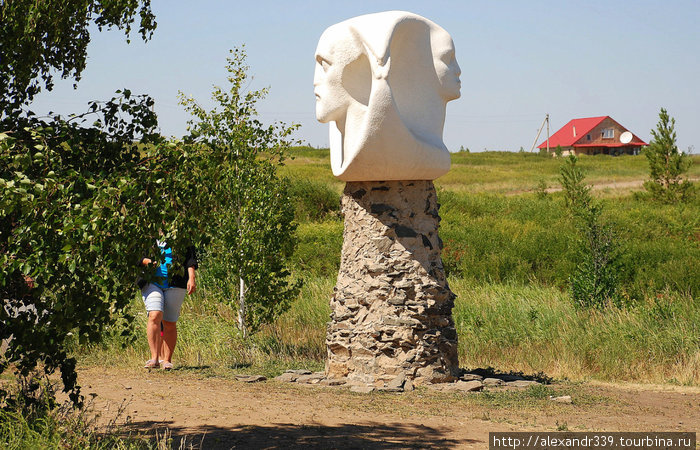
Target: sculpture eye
325	64
448	57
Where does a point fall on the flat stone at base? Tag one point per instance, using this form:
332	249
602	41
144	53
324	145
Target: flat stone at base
332	382
489	382
562	399
471	377
460	386
397	383
287	377
299	372
362	389
469	386
388	389
250	378
521	383
310	379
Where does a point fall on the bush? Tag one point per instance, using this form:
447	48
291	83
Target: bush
313	200
595	281
72	203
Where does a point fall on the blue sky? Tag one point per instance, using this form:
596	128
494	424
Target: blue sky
519	60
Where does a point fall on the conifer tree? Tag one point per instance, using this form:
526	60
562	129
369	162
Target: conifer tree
667	164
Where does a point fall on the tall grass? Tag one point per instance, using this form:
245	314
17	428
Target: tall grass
54	427
507	326
495	238
209	340
508	257
535	328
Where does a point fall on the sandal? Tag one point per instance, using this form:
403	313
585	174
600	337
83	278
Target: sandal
167	365
151	364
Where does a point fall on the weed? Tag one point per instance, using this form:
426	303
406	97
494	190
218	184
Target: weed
541	189
533	396
65	426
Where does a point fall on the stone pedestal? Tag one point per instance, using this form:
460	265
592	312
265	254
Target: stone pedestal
391	311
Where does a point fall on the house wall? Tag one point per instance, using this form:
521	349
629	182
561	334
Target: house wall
566	151
598	144
597	133
627	150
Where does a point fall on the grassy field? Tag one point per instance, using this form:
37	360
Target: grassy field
508	252
494	172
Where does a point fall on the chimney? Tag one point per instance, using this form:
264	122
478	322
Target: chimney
574	130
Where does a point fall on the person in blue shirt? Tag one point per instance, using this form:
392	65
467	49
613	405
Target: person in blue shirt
163	298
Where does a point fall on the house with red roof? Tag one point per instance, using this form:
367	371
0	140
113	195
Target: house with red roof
593	136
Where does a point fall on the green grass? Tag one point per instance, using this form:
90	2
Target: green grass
523	238
510	327
67	427
508	258
495	172
536	329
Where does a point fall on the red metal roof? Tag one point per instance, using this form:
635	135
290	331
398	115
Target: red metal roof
567	138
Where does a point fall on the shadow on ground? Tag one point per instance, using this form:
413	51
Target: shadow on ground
490	372
291	436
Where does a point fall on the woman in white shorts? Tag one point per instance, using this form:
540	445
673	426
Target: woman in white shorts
163	299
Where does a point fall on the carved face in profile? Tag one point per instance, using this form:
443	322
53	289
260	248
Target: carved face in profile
382	81
331	97
341	76
446	67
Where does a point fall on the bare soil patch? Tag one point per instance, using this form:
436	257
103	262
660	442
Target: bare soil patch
621	185
218	412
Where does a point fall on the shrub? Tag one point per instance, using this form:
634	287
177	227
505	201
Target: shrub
313	200
595	281
541	189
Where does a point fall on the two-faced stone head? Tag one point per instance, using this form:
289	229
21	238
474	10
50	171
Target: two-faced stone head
382	82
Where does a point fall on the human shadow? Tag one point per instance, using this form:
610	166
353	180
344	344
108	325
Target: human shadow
294	436
191	368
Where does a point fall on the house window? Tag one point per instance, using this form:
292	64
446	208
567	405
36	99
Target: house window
608	133
588	137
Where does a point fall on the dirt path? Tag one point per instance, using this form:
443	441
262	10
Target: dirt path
611	185
223	413
599	186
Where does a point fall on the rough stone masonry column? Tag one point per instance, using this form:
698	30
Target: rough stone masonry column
391	311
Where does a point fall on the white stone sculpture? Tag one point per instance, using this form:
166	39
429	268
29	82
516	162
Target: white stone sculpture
382	82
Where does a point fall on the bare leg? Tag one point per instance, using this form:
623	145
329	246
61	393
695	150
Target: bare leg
169	340
153	333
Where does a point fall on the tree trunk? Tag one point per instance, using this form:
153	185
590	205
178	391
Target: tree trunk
241	306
